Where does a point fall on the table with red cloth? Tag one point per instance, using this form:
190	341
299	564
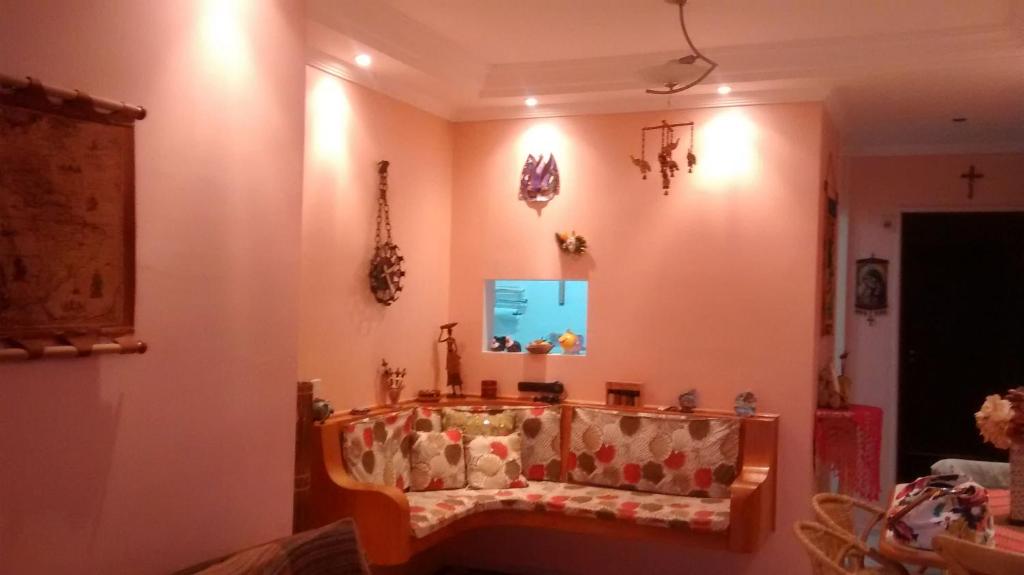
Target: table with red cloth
848	445
1008	537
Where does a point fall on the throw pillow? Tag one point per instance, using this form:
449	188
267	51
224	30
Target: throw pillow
437	461
494	462
376	449
473	423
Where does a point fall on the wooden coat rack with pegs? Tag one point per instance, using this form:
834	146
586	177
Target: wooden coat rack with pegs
68	347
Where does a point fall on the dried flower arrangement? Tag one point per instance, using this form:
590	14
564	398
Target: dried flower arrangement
1001	419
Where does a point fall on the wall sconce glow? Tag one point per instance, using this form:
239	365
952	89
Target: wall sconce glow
723	90
223	33
531	101
328	118
363	60
543	138
728	147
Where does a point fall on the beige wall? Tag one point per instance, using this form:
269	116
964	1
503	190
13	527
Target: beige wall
345	333
713	286
881	189
144	464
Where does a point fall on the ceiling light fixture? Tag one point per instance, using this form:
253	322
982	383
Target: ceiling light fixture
531	101
682	73
723	90
364	60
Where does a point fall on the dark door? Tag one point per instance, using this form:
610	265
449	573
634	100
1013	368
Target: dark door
961	331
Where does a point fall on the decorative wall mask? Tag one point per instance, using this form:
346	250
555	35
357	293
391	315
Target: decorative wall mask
386	273
872	288
667	165
571	243
539	181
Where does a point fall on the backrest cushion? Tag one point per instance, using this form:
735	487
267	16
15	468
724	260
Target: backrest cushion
475	422
437	461
376	449
658	453
494	462
541	428
427	419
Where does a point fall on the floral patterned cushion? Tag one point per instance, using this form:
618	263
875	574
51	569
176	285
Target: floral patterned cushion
427	419
475	422
437	461
541	428
654	452
494	462
431	510
376	449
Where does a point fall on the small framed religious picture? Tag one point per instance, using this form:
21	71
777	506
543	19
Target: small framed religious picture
872	297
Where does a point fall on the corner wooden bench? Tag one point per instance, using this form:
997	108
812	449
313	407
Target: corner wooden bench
385	515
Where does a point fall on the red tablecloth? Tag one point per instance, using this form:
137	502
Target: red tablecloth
1007	537
848	443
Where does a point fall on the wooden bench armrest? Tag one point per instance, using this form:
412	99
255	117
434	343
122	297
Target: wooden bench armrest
381	512
752	494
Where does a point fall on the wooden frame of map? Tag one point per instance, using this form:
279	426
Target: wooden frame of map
67	217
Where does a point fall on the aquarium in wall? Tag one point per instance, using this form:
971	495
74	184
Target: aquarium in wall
521	312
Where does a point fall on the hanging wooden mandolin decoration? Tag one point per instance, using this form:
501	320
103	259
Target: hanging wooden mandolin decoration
386	273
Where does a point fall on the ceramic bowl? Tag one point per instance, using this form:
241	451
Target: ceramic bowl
540	348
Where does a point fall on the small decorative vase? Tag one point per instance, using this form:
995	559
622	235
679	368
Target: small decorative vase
393	394
1017	483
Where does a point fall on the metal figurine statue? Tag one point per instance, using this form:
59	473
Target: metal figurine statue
452	360
386	273
666	164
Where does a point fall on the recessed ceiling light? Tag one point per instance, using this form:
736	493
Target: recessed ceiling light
364	60
959	119
531	101
723	90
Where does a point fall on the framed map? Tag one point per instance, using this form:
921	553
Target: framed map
67	218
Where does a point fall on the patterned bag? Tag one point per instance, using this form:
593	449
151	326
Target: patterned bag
941	504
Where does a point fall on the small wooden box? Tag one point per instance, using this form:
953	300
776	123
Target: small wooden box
489	389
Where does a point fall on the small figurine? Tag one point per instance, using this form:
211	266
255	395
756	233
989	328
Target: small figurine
688	401
568	341
452	360
505	343
321	410
571	243
641	163
746	404
393	381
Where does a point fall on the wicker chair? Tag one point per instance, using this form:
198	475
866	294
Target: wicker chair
966	558
842	513
821	544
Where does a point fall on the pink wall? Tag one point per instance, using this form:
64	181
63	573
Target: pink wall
713	286
344	331
881	188
147	464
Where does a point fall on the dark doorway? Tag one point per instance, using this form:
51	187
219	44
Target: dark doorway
961	331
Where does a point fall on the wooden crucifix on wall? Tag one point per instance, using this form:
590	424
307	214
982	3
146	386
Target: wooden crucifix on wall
971	175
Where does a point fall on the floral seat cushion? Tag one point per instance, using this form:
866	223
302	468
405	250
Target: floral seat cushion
376	449
432	510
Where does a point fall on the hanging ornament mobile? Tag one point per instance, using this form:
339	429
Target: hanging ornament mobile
386	273
667	166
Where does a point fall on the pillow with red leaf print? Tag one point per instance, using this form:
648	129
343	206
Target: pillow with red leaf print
437	461
495	462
